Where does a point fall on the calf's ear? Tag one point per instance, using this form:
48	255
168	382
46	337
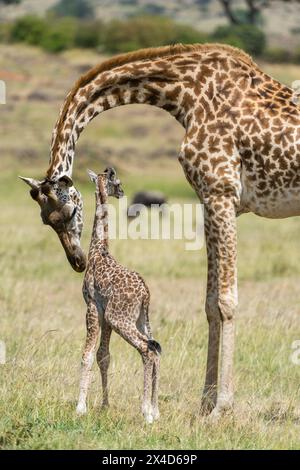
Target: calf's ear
92	175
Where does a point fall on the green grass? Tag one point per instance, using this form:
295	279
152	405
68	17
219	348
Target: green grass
42	323
43	315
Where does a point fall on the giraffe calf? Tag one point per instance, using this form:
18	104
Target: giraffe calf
117	300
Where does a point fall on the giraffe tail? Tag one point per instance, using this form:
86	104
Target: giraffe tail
145	308
154	346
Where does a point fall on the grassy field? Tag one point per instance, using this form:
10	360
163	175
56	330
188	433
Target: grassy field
43	315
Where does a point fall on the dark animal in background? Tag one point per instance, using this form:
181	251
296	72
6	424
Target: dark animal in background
146	199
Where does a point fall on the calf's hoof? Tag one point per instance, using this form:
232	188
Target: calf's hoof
155	413
147	411
81	409
221	410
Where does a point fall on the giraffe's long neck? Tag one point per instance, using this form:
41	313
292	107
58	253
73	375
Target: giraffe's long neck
100	227
155	82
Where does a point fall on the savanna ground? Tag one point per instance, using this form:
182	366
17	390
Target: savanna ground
43	315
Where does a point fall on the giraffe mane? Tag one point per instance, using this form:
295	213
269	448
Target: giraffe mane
144	54
157	52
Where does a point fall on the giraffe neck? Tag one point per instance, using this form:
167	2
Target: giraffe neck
151	82
100	227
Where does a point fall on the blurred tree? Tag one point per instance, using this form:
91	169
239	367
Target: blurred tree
253	10
8	2
28	29
76	8
203	4
60	35
246	36
146	31
88	34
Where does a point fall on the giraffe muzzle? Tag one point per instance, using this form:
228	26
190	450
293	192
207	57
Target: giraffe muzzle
78	261
75	254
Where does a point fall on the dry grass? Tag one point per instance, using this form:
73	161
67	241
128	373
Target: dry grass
42	312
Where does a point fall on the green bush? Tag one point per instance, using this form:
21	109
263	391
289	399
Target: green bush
187	35
88	34
248	37
59	35
9	2
29	29
146	31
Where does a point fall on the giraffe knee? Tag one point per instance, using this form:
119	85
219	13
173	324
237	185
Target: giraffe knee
227	308
87	359
103	358
220	309
212	310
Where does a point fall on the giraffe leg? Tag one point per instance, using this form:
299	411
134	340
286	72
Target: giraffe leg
92	324
155	384
146	318
225	397
221	240
138	340
209	398
147	408
145	327
103	359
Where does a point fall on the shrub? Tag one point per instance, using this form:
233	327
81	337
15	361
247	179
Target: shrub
28	29
146	31
9	2
88	34
248	37
59	35
187	35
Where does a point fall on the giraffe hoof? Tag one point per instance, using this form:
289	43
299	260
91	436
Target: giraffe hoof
155	414
147	411
81	409
207	408
220	411
148	418
214	416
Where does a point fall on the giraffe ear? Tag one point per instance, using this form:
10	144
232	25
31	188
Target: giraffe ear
35	192
34	184
65	181
92	175
111	173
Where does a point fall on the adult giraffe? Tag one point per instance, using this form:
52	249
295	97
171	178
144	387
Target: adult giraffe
241	153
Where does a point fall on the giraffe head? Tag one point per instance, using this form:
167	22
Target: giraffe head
110	183
61	208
